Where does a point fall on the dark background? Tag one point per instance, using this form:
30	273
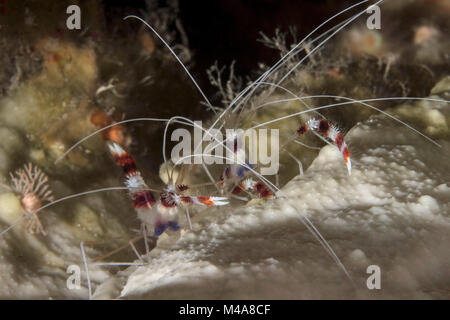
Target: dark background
227	30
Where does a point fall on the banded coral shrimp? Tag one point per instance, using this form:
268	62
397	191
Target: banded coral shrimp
399	98
157	120
323	180
298	125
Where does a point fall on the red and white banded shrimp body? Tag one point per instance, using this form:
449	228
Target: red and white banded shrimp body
157	214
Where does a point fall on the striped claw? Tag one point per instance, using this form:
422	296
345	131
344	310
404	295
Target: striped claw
330	131
348	162
123	159
208	201
141	198
115	149
218	201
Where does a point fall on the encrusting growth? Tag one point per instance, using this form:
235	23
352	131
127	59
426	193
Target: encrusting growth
32	184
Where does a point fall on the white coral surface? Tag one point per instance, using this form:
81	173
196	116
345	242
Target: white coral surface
392	212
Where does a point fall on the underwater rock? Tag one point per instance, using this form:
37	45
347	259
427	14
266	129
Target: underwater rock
392	212
431	117
34	266
10	207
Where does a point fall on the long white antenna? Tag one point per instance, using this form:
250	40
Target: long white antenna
176	57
